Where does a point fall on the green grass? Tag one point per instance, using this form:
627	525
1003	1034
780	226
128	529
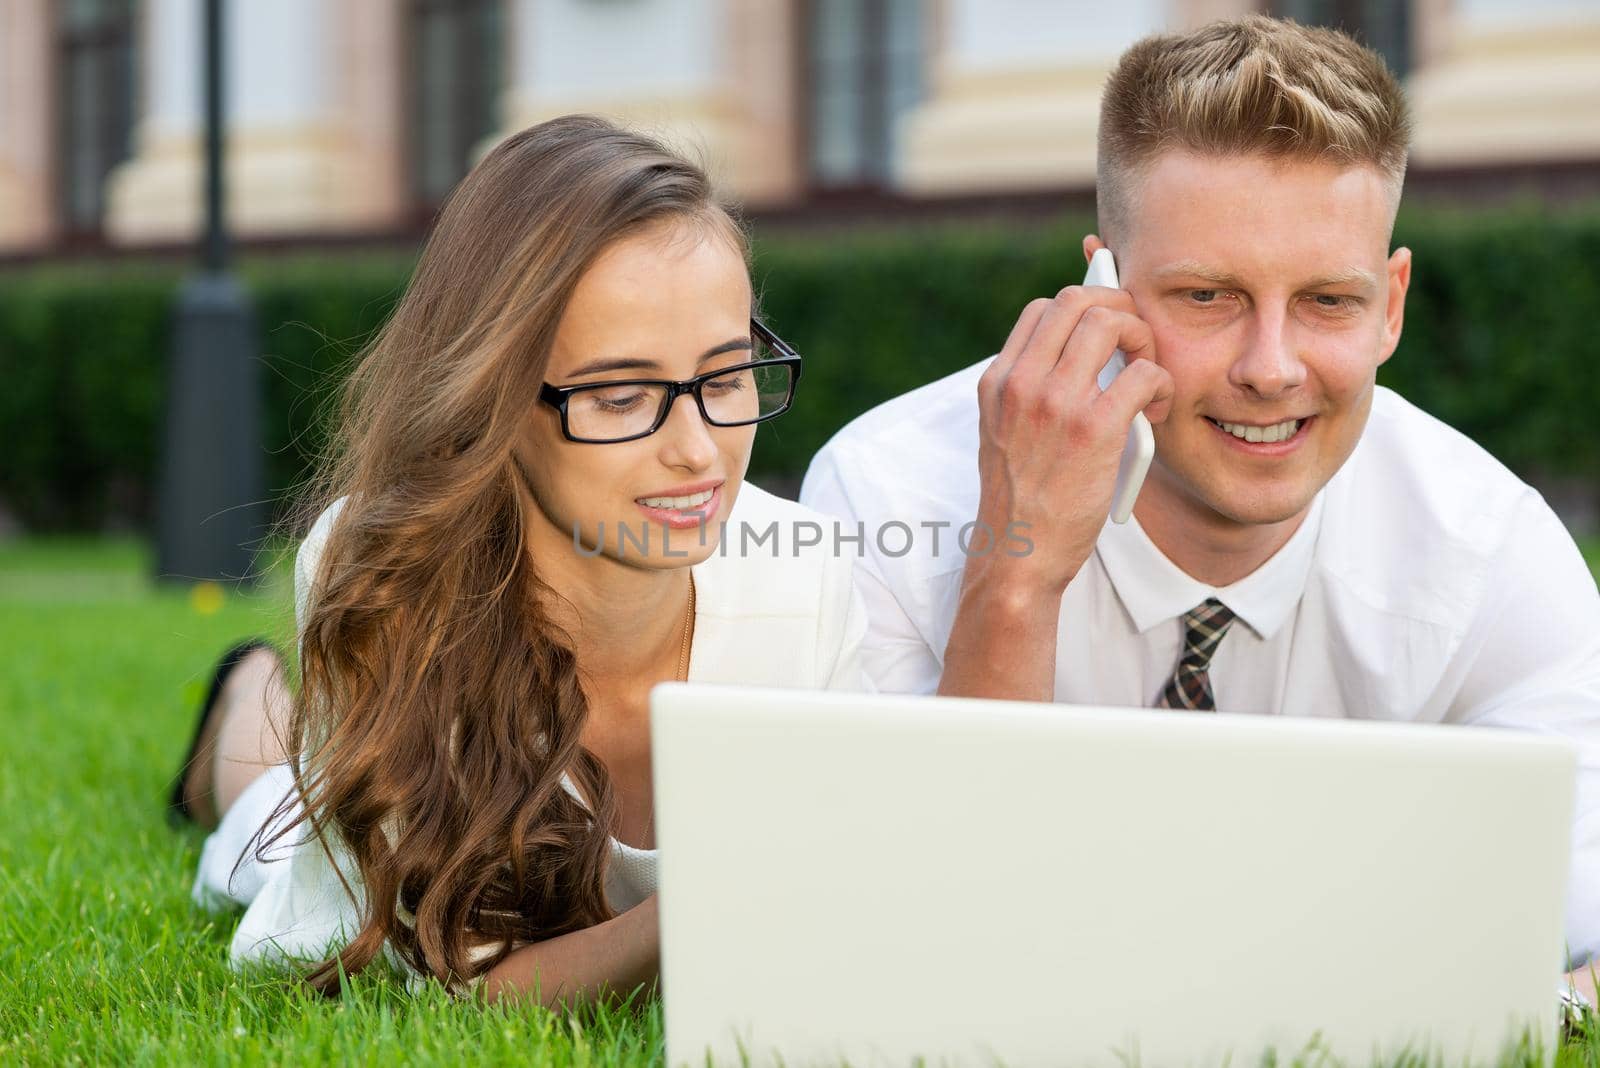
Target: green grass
102	957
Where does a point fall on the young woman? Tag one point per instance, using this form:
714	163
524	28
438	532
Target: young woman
537	514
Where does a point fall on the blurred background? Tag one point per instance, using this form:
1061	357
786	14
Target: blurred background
913	171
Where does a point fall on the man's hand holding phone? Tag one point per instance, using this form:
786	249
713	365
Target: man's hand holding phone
1050	445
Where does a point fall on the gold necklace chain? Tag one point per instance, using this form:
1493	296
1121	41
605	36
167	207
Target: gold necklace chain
688	632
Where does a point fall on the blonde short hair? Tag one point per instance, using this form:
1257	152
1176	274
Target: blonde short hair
1247	86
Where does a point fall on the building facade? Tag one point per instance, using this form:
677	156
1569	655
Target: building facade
355	117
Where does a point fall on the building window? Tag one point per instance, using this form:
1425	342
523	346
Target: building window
456	74
863	71
1382	25
97	80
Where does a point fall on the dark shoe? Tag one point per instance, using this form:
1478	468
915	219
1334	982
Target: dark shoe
177	810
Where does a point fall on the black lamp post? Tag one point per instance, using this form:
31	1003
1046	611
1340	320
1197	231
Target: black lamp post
212	507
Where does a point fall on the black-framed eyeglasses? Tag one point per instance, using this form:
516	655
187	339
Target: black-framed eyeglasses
603	413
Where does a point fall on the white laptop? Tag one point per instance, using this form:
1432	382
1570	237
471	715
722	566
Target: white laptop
877	879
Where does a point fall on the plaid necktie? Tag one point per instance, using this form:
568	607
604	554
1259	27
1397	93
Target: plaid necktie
1190	685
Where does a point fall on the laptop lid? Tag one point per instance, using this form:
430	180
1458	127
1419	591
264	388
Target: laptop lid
876	878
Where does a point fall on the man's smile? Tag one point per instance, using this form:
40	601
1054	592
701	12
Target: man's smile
1265	439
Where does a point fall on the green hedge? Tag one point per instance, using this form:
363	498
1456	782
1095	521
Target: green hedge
1500	341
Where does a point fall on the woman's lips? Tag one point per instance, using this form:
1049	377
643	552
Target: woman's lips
685	518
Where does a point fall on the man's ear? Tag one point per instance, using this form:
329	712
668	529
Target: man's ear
1397	280
1091	245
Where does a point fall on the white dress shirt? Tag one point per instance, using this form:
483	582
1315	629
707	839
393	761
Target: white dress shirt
772	612
1426	584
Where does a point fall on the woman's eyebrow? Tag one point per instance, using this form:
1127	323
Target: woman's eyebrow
595	367
734	345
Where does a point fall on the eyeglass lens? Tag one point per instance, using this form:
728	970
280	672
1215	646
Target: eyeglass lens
741	396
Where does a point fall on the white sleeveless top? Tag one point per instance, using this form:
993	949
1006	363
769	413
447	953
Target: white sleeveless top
768	612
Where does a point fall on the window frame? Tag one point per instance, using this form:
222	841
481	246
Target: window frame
463	105
111	46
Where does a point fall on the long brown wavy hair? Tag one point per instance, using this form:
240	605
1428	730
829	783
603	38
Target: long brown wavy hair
439	704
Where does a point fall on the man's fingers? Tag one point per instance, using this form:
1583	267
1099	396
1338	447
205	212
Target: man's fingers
1050	336
1100	332
1034	315
997	371
1061	322
1026	323
1043	349
1141	387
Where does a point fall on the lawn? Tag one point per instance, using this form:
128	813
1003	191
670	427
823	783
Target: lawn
102	957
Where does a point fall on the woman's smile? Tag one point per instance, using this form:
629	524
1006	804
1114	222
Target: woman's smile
684	507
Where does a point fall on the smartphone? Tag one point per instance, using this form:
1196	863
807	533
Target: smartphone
1140	448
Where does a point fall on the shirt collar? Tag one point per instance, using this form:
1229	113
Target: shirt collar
1154	590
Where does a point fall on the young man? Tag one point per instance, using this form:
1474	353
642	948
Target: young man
1306	543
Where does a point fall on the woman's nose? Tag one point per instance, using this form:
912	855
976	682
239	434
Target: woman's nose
685	437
